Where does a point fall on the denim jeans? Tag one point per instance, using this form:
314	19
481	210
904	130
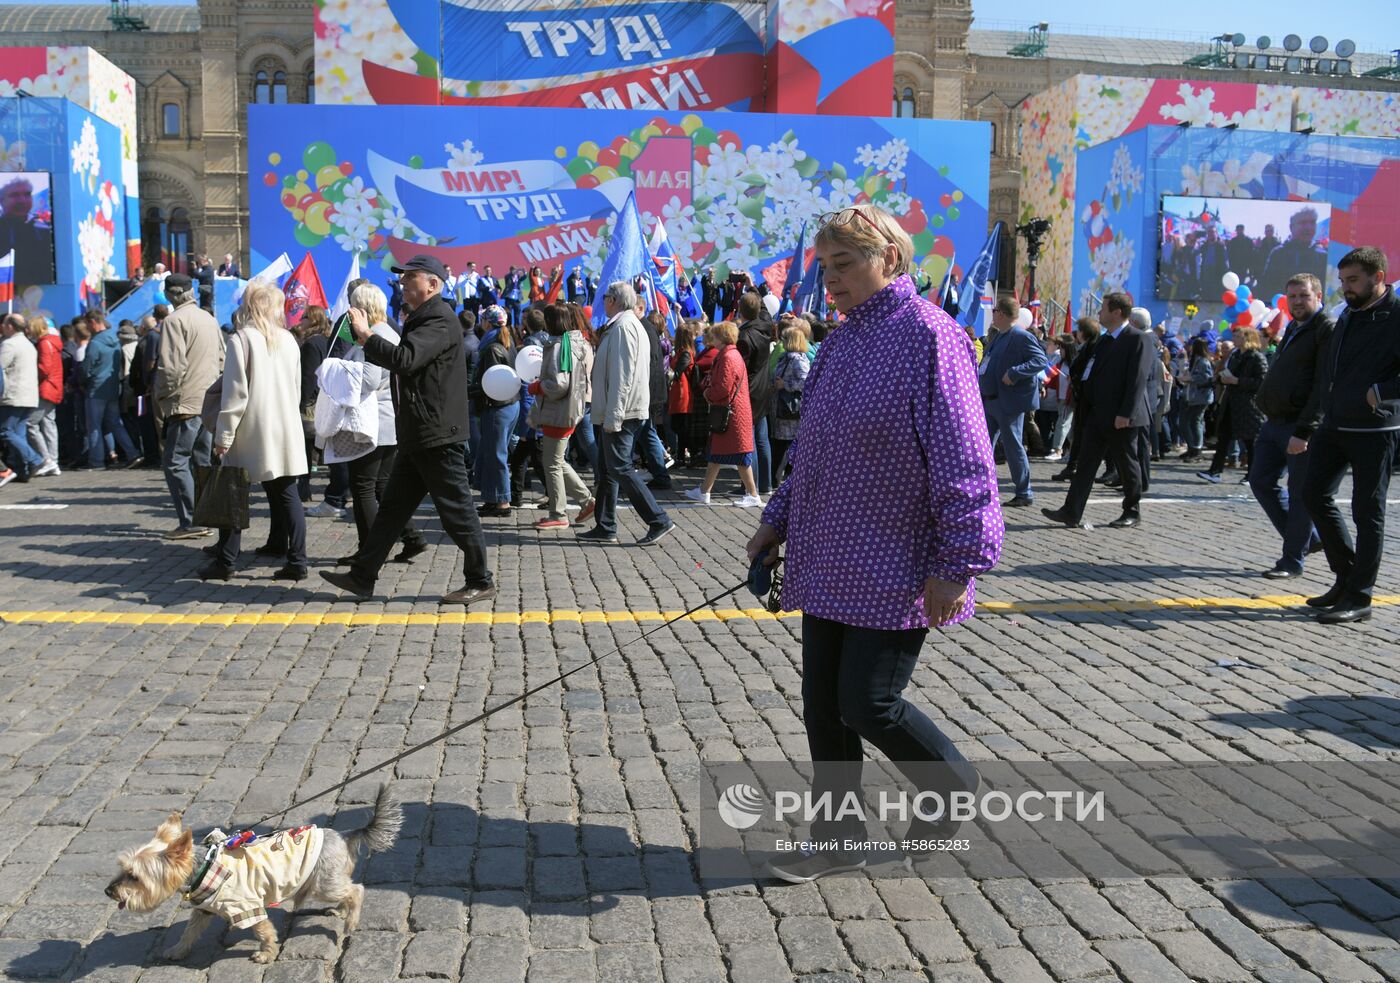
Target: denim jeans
42	430
1282	504
653	455
1194	423
14	421
585	440
853	683
104	416
1009	427
763	456
615	467
493	453
187	443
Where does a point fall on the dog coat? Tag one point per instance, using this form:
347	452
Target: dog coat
242	883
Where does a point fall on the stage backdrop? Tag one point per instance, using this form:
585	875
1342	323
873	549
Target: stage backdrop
541	186
791	56
1087	110
83	155
93	82
1120	184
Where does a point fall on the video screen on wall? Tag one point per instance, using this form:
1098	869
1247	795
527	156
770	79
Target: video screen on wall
1262	241
26	225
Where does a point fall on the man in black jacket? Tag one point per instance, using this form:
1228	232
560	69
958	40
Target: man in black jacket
1290	398
429	387
1360	428
1088	330
755	344
1114	385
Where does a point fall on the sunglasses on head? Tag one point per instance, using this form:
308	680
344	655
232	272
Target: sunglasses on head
843	217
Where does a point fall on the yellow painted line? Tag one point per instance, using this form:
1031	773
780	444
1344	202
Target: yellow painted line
1269	602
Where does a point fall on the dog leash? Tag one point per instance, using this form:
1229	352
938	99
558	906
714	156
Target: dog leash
762	581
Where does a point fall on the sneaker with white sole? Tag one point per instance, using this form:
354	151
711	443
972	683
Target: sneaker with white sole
46	469
750	502
697	494
6	477
802	866
324	511
1052	456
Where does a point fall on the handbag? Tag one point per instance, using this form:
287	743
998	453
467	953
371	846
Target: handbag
720	416
789	406
214	395
221	497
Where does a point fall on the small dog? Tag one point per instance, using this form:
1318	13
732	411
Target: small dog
239	881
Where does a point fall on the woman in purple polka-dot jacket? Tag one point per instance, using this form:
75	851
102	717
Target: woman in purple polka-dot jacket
890	513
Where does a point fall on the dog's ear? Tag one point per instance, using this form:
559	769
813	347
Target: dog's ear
169	830
181	848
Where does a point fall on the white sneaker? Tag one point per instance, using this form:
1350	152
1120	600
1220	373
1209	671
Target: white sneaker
6	477
697	495
750	502
1053	456
324	511
48	468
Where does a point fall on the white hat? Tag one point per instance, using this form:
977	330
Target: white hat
1140	318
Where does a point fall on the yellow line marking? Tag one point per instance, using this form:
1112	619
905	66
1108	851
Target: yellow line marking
1271	602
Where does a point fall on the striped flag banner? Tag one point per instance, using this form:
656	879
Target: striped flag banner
7	280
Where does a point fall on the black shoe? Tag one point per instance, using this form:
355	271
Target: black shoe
409	551
1019	502
805	866
1064	518
921	837
596	535
1107	478
1114	482
1331	599
345	561
215	571
1282	573
1125	521
493	511
267	549
349	583
1347	613
656	534
290	572
1065	475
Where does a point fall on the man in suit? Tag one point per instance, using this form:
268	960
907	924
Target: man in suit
229	267
1116	404
1009	378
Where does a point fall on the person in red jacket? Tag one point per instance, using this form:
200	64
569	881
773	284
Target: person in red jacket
43	421
728	386
685	403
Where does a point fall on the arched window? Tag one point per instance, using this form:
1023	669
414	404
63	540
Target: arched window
170	119
279	87
906	103
894	105
262	88
311	85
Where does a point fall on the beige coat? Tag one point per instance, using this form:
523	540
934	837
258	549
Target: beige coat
261	424
191	358
242	884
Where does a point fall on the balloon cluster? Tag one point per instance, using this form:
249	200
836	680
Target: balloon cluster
502	383
312	193
593	164
1242	308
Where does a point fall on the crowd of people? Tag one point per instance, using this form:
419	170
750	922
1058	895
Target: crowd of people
1191	264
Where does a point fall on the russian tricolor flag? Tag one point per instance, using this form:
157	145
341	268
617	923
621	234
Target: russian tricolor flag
7	279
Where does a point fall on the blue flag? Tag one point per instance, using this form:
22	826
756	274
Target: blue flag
811	294
982	271
627	256
948	291
795	271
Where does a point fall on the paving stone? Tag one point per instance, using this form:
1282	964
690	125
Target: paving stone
1139	961
1323	956
1067	954
812	945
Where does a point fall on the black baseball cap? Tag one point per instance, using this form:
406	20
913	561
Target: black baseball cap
426	263
179	281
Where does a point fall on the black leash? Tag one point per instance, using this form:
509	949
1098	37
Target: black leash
759	579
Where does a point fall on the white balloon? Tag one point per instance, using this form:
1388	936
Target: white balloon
1257	307
528	363
1025	318
1230	281
501	383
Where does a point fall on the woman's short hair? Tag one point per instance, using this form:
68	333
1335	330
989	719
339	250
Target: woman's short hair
1089	327
795	340
370	299
35	328
315	322
867	230
1248	339
726	333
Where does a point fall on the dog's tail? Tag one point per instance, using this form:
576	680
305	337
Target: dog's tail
383	826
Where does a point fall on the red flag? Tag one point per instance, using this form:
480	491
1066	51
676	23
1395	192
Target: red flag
303	288
556	281
1069	319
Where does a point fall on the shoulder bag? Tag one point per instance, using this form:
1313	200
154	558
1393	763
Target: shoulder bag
720	415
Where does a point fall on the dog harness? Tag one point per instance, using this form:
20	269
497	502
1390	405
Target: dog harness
247	875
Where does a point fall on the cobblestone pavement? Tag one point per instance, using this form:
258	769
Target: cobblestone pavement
553	843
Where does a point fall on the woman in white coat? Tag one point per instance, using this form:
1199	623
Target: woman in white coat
259	426
369	473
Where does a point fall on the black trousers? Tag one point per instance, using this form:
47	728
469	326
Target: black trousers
1369	455
853	682
1120	447
441	474
526	452
288	530
369	476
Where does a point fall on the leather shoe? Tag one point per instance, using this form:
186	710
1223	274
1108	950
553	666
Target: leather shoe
409	551
1113	481
348	583
469	595
1282	573
1125	521
267	549
1331	599
1064	518
1063	475
290	572
1019	502
215	571
1346	614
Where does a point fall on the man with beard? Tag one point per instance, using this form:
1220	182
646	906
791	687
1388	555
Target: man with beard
1360	430
31	240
